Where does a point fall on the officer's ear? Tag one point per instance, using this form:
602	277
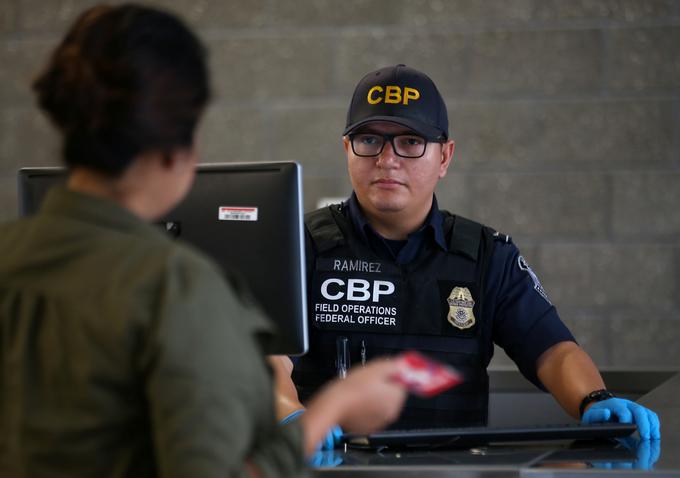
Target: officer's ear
446	157
345	144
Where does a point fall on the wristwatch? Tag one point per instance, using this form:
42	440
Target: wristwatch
596	396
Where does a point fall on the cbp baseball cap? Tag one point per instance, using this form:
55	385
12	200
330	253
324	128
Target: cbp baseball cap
402	95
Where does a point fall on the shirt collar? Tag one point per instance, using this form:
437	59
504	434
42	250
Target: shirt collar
357	217
434	222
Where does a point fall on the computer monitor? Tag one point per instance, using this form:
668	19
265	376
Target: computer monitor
248	218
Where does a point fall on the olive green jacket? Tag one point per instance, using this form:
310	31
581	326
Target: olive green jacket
124	353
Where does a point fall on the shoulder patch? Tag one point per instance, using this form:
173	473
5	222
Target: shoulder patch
522	264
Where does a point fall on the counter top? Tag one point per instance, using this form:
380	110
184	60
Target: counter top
560	459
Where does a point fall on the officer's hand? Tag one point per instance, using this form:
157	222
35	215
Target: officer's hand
325	459
625	411
331	440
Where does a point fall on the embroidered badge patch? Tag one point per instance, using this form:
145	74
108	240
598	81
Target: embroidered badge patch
522	263
460	308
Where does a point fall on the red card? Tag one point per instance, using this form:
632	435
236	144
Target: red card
425	377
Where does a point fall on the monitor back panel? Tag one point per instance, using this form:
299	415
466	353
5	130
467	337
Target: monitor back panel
248	218
34	184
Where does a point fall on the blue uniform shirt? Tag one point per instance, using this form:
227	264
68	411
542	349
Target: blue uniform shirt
525	323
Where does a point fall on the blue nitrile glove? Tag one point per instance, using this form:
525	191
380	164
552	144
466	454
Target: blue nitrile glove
326	459
625	411
331	439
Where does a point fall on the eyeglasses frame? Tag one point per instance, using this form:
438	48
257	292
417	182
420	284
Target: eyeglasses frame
390	138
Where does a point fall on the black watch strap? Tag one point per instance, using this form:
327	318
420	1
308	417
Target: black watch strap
596	396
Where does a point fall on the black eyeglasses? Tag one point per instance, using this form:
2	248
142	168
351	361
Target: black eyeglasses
404	145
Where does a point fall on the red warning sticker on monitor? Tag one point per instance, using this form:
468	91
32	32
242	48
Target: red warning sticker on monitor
228	213
424	376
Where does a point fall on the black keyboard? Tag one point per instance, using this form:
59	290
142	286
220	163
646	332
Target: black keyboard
470	436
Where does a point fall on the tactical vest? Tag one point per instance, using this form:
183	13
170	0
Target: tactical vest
432	304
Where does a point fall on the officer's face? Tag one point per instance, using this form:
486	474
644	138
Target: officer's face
388	185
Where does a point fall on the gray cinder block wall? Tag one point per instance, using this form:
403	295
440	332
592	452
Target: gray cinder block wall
566	116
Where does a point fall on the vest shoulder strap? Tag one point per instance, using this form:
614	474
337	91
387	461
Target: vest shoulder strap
323	228
465	235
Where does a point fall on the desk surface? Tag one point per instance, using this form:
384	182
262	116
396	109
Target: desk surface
536	460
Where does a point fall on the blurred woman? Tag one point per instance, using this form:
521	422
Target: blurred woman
122	352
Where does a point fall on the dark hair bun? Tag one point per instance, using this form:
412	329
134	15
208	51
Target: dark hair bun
125	80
